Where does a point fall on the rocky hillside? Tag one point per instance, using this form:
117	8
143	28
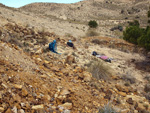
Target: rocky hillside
108	13
33	79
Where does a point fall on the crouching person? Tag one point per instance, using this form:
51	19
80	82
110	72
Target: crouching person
53	47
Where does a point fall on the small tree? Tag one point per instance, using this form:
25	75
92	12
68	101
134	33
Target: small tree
132	33
92	24
144	40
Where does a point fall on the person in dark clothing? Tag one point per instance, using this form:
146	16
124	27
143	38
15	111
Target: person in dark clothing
94	53
70	44
102	56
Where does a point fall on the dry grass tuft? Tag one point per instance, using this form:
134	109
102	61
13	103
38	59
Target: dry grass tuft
99	69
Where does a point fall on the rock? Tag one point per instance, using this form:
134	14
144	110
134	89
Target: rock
47	66
64	92
39	51
66	111
130	101
125	111
1	109
8	111
44	76
121	88
21	111
122	94
78	69
87	76
24	92
70	59
37	107
18	86
28	36
22	104
66	106
38	59
14	109
55	69
4	85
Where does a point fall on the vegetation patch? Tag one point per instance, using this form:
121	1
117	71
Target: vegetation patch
137	35
99	69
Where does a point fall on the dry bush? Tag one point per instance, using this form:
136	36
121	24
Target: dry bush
96	41
15	41
92	32
99	69
107	109
45	49
42	41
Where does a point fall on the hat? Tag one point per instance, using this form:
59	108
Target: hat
54	41
70	41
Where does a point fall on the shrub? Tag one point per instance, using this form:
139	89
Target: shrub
92	24
134	23
96	41
92	33
99	69
148	14
107	109
42	41
144	40
132	33
137	35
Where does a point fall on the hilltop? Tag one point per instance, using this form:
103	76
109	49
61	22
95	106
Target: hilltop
72	19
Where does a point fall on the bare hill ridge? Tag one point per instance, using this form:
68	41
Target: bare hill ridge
72	19
108	13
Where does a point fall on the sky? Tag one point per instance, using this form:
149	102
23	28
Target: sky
19	3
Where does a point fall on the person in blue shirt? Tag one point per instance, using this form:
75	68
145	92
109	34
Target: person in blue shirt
53	46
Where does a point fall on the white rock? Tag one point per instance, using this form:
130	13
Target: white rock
38	107
14	109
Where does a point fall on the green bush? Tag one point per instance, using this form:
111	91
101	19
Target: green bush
148	14
92	24
148	21
137	35
144	40
132	33
134	23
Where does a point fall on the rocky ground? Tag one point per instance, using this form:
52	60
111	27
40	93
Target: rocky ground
33	79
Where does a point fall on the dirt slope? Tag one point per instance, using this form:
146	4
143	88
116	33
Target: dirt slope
38	80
